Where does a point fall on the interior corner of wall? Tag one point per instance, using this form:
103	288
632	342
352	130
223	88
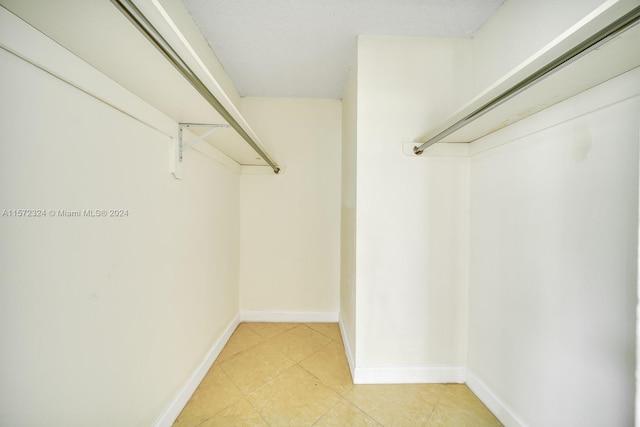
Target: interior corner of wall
351	357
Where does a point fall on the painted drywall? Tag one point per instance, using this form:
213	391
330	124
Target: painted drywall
517	30
412	213
184	21
553	260
348	212
290	223
103	319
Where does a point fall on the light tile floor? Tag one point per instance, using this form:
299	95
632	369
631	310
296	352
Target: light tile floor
294	374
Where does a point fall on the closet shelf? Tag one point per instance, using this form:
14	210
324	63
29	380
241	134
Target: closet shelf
190	74
601	46
96	35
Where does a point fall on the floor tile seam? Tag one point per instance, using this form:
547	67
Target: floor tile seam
254	406
440	398
371	415
277	349
273	336
464	410
317	378
242	396
314	331
320	332
314	353
258	410
241	351
368	414
224	371
278	375
285	355
225	407
284	332
245	324
306	325
340	396
259	413
311	329
237	386
324	335
255	332
252	347
252	330
320	380
228	377
327	411
221	410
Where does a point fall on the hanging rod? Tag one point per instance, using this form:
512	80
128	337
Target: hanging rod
598	39
151	33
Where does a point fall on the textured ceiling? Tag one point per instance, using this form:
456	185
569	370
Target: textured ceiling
304	48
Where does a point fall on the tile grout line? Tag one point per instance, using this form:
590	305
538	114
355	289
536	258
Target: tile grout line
365	412
296	363
231	404
264	340
340	396
245	396
436	405
296	345
327	411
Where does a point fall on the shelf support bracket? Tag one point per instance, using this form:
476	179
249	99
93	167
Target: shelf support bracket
180	145
184	146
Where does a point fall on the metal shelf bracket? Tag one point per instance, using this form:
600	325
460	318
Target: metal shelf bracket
180	145
184	146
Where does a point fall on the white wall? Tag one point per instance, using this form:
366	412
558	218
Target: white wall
411	261
102	320
348	212
517	30
290	223
182	18
554	219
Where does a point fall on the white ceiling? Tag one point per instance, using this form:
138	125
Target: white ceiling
304	48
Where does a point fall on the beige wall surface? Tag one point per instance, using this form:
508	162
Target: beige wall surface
103	319
290	223
517	30
348	211
412	213
554	260
518	262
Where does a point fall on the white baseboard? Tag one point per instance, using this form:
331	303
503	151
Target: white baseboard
374	375
410	375
289	316
499	407
171	412
399	375
347	346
